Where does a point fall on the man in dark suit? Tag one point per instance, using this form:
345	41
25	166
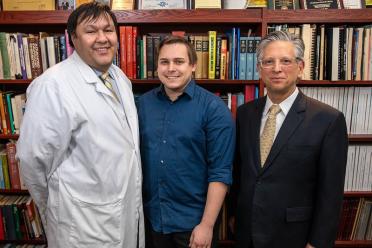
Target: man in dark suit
291	157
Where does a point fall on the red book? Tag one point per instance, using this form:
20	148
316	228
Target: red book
233	105
13	167
129	50
134	54
123	53
248	93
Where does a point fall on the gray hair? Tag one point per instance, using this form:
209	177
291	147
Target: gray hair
281	36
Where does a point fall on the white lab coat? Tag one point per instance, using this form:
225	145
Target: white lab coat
80	161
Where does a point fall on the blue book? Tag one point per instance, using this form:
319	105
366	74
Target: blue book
250	58
255	72
237	45
243	58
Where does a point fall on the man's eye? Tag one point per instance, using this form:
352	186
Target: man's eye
268	62
90	31
286	61
179	62
109	30
163	62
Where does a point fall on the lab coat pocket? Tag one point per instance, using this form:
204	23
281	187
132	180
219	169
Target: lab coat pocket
96	225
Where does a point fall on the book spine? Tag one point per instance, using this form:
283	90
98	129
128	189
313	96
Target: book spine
218	57
212	54
13	168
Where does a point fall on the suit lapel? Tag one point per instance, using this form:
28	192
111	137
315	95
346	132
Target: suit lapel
292	121
256	124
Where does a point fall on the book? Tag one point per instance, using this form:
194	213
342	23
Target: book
5	56
35	56
13	167
212	54
198	49
224	57
205	54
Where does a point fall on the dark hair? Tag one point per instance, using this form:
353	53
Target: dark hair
180	40
86	12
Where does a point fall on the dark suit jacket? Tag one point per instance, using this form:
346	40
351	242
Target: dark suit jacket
296	198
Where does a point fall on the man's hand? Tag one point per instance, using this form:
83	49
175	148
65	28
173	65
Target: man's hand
309	246
201	236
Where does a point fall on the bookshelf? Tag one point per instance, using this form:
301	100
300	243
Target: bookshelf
196	21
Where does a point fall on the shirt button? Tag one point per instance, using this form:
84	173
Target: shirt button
162	161
164	141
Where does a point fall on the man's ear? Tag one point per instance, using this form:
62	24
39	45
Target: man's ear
73	38
193	67
301	66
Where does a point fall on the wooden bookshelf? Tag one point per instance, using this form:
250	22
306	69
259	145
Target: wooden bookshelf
13	192
39	241
353	243
193	21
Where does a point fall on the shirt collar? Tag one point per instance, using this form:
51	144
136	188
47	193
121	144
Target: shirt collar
189	90
98	73
285	105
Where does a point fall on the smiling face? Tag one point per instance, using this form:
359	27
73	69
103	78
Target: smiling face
96	42
174	69
281	78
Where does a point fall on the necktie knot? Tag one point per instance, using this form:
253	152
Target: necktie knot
274	110
106	79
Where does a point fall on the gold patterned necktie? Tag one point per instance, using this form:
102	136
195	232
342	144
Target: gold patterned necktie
106	79
268	133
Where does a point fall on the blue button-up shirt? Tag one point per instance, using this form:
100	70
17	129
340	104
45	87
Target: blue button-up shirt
185	145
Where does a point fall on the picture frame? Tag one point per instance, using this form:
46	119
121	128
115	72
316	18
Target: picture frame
321	4
162	4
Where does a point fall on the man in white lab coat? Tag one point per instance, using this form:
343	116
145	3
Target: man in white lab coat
78	146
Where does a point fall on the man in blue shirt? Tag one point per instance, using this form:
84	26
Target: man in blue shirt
187	147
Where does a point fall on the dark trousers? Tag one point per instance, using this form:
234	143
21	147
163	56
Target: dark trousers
173	240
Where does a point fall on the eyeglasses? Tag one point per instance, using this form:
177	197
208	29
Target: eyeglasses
283	62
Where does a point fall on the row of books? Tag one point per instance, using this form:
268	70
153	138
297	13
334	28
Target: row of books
26	56
354	102
230	55
334	52
234	100
10	177
12	107
20	219
356	219
358	175
185	4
